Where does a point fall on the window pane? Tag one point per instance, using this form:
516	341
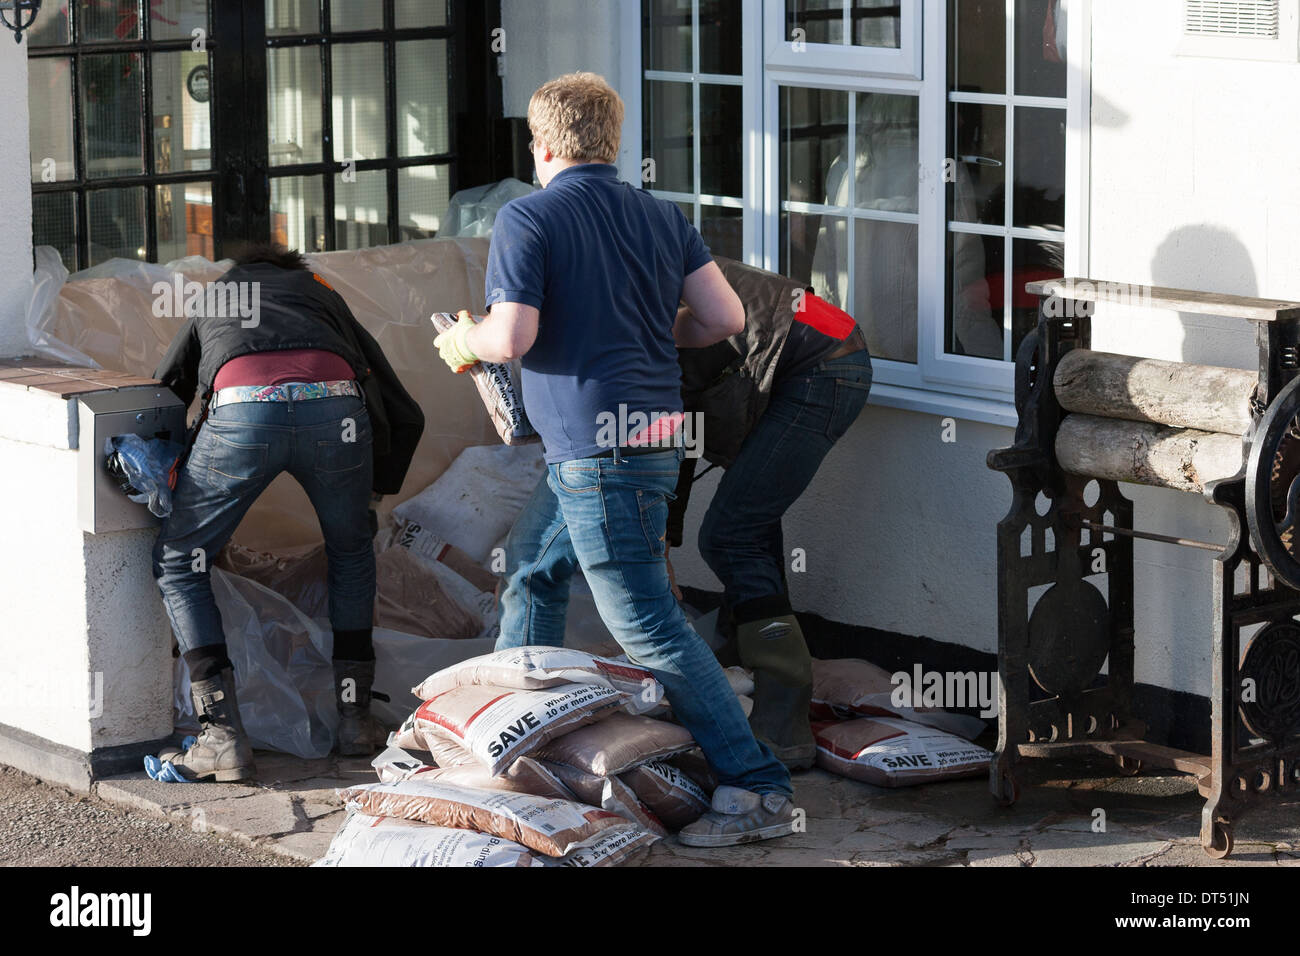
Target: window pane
360	126
1031	261
975	295
688	210
822	21
666	35
1040	168
361	210
889	154
721	37
423	123
182	126
977	139
117	224
420	13
110	109
298	212
49	101
814	145
876	23
98	22
723	229
977	46
292	16
721	140
422	197
667	108
54	223
293	105
885	284
52	27
173	19
356	15
1040	48
185	221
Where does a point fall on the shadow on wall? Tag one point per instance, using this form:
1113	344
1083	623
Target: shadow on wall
1209	258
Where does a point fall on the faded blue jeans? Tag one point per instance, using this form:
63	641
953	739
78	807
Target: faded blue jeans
239	450
609	516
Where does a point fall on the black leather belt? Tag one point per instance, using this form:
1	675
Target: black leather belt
629	450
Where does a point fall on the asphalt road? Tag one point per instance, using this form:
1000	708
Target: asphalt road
43	825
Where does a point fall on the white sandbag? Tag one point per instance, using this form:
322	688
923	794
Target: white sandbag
365	840
499	390
284	676
476	500
394	764
537	668
850	687
398	656
498	725
611	848
889	752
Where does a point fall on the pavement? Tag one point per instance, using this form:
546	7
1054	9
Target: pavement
1075	813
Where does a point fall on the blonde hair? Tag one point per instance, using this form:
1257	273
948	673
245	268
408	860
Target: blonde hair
579	117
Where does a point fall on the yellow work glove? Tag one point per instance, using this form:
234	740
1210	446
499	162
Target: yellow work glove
453	347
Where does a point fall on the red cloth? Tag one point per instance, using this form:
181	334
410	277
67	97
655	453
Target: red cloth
824	317
279	368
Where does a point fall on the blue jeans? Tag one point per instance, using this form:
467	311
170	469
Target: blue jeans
740	537
609	516
239	450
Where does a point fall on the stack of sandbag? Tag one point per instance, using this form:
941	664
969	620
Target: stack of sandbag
862	733
522	735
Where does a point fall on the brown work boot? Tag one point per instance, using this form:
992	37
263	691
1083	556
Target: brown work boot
360	734
222	751
773	648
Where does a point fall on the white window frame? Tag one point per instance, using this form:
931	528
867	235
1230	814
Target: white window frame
939	383
784	52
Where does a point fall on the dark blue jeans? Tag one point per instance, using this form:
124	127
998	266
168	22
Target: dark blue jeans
325	443
740	537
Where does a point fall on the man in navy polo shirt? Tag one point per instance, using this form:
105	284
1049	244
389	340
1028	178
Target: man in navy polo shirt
583	283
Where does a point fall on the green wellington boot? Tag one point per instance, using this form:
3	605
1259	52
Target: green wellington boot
773	647
222	751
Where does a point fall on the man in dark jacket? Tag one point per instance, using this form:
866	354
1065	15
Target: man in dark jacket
289	381
774	399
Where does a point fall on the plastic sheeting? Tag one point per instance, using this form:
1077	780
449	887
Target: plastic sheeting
105	316
472	212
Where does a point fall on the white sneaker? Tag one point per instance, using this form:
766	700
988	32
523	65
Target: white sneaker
741	816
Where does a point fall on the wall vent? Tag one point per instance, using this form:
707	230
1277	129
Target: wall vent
1232	18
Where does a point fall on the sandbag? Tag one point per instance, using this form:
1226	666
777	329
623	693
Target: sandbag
498	389
394	763
423	543
849	687
399	655
611	848
476	500
498	725
442	752
889	752
608	793
298	574
524	776
693	764
410	599
535	668
619	742
549	826
365	840
672	796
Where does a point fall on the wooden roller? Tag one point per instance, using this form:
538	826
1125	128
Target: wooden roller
1207	398
1184	459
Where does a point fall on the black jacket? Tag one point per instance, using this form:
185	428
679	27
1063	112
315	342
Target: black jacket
298	310
730	383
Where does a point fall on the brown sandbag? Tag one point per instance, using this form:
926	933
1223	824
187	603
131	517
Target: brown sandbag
619	742
672	796
896	753
409	598
608	793
524	776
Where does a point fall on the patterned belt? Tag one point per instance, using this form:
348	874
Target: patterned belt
289	392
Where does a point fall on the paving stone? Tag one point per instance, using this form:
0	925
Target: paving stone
918	831
1068	848
264	814
993	858
308	845
277	770
137	790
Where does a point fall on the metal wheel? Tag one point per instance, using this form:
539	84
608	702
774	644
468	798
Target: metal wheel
1222	844
1273	486
1128	766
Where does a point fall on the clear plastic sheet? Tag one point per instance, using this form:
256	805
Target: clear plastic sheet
472	212
105	316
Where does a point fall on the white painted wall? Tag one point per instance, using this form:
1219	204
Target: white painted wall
15	199
544	40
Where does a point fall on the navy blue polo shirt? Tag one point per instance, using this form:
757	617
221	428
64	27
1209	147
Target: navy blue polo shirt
604	263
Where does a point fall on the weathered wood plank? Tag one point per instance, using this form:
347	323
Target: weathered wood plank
1180	458
1160	297
1204	397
